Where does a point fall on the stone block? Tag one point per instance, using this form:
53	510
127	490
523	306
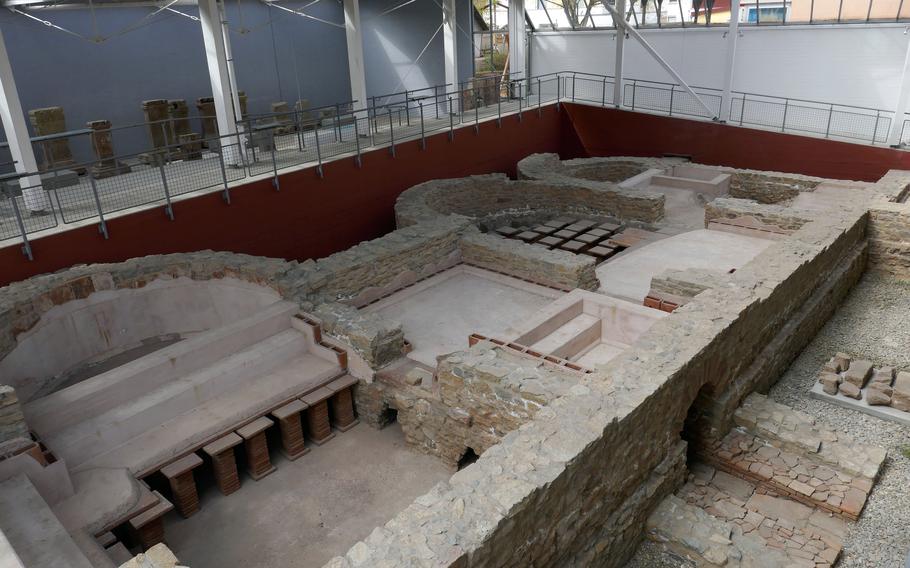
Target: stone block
12	420
587	238
565	234
602	250
878	394
883	375
103	146
842	360
900	397
859	372
54	153
527	236
191	145
850	390
573	246
550	241
832	366
830	382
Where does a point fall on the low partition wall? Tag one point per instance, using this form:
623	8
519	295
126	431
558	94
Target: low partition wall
759	185
555	268
493	200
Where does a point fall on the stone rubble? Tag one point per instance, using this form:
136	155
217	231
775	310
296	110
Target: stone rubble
861	380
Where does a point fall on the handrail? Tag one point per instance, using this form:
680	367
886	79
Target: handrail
172	168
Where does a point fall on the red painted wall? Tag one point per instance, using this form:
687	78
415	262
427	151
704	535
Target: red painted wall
611	132
309	217
312	217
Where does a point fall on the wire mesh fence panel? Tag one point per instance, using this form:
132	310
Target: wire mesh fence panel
769	114
13	199
854	125
141	186
640	97
685	104
189	175
882	128
803	118
592	90
77	202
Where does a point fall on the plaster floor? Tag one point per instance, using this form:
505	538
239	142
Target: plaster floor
629	276
309	510
600	354
440	313
683	208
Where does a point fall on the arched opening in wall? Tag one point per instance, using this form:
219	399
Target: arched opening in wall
388	417
467	458
695	425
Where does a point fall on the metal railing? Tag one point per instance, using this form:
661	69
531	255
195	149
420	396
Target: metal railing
266	144
766	112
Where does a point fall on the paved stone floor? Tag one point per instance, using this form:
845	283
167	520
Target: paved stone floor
872	323
310	509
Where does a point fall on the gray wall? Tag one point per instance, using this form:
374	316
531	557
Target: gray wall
278	56
391	43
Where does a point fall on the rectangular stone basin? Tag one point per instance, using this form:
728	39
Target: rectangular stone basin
587	328
438	314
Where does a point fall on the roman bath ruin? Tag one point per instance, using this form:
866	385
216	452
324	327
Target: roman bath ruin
618	361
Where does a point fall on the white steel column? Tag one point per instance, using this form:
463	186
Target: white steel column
726	100
20	145
224	88
620	43
620	18
450	44
354	35
518	40
900	107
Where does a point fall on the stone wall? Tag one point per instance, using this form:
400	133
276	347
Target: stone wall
556	268
378	341
889	219
889	235
566	487
22	304
478	396
768	187
612	169
372	269
686	284
492	200
12	421
761	186
779	216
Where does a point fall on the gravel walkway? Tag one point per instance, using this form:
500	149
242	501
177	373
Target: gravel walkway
873	323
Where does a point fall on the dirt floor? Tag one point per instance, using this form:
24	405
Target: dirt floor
310	509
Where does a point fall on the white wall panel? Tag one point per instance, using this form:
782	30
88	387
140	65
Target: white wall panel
849	64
